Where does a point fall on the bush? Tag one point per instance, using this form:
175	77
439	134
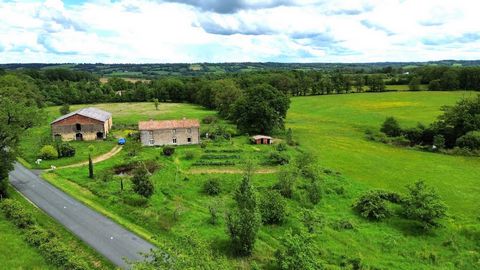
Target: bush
372	204
297	252
439	141
285	183
343	224
391	127
189	155
48	152
400	141
168	150
272	208
65	150
64	109
281	147
209	119
15	212
278	158
212	187
471	140
142	184
422	204
314	192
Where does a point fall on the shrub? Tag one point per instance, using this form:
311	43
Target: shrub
64	109
343	224
203	144
372	204
297	252
439	141
400	141
65	150
142	184
310	220
391	127
471	140
278	158
105	176
272	208
285	183
212	209
168	150
209	119
422	204
314	192
15	212
212	187
48	152
281	147
189	155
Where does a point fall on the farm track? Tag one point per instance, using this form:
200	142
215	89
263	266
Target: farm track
115	150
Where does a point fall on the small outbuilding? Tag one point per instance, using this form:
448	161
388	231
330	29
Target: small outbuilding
169	132
261	139
84	124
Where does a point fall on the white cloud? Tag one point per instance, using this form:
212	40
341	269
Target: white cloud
209	31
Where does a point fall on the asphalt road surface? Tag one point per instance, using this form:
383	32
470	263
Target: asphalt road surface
107	237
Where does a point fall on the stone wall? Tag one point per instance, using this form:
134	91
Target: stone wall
166	136
67	128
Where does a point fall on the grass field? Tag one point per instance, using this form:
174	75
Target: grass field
332	127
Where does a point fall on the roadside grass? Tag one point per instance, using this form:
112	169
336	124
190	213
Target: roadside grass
23	256
332	127
15	253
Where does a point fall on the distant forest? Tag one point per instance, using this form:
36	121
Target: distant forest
150	71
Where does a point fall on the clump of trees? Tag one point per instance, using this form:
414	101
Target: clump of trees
458	127
421	204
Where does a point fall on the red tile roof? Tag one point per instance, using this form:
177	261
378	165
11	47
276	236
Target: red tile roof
168	124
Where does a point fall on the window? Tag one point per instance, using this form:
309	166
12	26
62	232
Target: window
174	140
189	140
174	131
152	141
189	130
78	127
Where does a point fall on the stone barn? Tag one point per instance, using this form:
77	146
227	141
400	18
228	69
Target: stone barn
169	132
261	139
84	124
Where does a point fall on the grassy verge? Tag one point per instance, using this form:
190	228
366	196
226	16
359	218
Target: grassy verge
94	260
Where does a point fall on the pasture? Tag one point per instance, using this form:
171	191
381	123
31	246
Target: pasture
332	128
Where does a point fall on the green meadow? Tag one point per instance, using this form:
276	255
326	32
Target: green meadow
333	128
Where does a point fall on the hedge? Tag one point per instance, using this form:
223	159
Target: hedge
46	241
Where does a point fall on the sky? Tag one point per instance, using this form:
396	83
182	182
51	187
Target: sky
190	31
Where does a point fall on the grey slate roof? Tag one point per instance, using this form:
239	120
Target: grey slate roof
89	112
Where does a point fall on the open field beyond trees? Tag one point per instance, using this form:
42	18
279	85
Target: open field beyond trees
333	129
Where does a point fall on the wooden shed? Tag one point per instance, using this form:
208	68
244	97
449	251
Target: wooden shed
261	139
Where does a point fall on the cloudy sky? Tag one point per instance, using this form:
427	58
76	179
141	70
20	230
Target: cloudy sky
172	31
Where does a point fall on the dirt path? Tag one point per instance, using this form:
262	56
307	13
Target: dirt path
115	150
230	171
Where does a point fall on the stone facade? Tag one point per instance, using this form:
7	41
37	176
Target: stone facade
78	127
169	132
178	136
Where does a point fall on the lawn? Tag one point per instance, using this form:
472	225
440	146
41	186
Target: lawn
332	127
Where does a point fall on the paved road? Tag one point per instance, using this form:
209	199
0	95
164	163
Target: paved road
107	237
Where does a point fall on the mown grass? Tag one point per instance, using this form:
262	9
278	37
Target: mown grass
332	127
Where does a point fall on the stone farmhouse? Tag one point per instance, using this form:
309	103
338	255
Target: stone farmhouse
84	124
169	132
